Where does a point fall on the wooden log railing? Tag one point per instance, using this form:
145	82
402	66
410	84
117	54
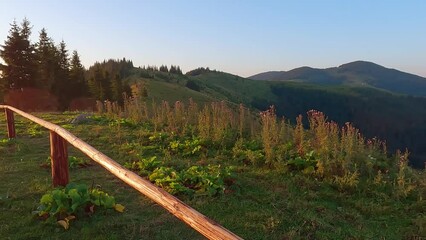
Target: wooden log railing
59	138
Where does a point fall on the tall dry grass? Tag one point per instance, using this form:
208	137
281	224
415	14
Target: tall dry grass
339	154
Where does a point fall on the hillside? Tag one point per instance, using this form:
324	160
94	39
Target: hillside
202	88
398	119
224	170
355	73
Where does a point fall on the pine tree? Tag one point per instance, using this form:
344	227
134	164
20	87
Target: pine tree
94	82
18	56
117	89
178	70
106	86
77	78
175	70
47	64
63	56
164	68
28	52
99	83
62	87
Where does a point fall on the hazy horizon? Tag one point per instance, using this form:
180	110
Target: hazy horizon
239	37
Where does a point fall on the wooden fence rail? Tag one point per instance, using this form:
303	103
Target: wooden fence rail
59	138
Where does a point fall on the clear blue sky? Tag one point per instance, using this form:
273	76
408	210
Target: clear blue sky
241	37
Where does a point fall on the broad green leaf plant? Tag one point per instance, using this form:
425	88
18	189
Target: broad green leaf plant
65	204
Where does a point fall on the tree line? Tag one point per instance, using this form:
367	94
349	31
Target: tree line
49	66
105	79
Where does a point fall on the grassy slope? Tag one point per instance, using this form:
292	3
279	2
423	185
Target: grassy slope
168	87
234	88
174	92
23	182
213	85
268	204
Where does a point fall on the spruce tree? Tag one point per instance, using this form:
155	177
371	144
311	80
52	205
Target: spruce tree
164	68
106	86
178	70
77	78
95	83
62	87
18	56
175	70
28	52
117	89
47	61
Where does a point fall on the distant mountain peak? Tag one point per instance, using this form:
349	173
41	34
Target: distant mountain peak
360	62
359	72
362	66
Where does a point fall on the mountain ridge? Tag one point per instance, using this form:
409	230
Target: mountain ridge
353	73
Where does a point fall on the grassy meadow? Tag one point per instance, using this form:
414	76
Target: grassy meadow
255	174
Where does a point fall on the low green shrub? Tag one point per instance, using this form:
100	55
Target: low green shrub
65	204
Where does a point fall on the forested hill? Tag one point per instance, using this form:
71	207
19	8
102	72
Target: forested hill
354	73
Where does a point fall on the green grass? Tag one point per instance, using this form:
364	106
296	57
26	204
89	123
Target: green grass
263	203
23	182
234	88
174	92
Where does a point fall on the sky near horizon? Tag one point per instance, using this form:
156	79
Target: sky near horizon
243	37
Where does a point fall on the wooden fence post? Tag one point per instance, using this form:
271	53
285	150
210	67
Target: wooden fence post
59	160
10	123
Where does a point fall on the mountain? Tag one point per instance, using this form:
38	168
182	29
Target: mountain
360	73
